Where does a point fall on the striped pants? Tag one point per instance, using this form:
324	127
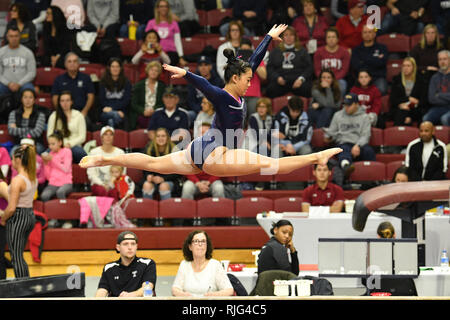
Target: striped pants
18	228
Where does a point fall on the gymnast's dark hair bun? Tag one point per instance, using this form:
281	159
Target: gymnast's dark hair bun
229	54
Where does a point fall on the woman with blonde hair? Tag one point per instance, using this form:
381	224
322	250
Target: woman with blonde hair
408	94
169	32
19	215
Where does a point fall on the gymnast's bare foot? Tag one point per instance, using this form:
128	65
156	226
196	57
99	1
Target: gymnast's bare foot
91	161
325	155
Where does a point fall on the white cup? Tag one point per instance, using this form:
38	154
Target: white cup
225	264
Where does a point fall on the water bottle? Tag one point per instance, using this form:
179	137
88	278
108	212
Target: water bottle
444	259
148	292
132	29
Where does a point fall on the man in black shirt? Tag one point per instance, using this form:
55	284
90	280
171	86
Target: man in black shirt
126	277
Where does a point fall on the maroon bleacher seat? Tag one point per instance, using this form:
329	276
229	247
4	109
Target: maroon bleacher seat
376	137
385	105
135	174
137	139
395	42
250	207
442	133
256	177
391	167
399	135
215	41
202	17
142	208
4	134
44	101
128	47
317	139
303	174
215	208
131	72
288	204
79	175
93	68
192	45
64	209
393	68
45	76
368	171
177	208
38	205
215	16
120	138
389	157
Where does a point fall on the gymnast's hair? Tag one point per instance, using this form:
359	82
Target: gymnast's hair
279	224
386	230
235	66
27	155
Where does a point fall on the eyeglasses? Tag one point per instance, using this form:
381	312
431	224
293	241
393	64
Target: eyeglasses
199	242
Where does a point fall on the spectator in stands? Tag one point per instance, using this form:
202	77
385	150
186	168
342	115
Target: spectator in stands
426	156
56	38
426	51
171	117
185	13
199	274
368	95
440	11
40	173
404	17
333	56
18	216
408	94
70	123
234	35
37	10
323	192
20	19
350	26
74	12
58	169
18	66
260	124
195	97
121	186
133	271
27	121
326	99
253	93
146	97
206	5
252	14
350	130
206	115
439	92
140	12
165	183
372	56
169	32
104	15
293	128
290	68
77	82
100	177
114	94
338	9
5	161
274	254
401	174
3	204
311	26
284	11
151	50
386	230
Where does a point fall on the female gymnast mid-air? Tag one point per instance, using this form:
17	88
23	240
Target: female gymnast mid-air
215	152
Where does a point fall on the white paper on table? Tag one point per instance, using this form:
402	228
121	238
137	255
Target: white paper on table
319	211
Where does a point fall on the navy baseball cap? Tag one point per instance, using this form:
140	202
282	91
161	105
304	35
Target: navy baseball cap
204	59
350	98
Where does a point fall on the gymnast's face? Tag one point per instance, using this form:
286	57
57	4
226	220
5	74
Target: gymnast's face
243	81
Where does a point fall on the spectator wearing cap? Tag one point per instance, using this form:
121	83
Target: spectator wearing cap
371	56
350	26
173	118
350	130
77	82
194	98
100	177
127	276
404	17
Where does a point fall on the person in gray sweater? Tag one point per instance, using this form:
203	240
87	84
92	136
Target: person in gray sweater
104	15
17	65
185	13
350	130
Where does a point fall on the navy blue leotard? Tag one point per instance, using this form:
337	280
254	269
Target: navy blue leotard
230	113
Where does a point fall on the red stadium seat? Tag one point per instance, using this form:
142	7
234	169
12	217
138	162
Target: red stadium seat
215	16
303	174
92	68
414	40
215	208
64	209
250	207
399	135
202	17
389	157
44	101
215	42
137	139
177	208
442	133
368	171
128	47
135	174
192	45
79	175
256	177
393	68
317	139
142	208
131	72
45	76
385	105
395	42
4	134
376	137
38	205
288	204
391	167
120	138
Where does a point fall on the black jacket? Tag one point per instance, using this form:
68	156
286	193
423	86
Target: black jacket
274	256
437	163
